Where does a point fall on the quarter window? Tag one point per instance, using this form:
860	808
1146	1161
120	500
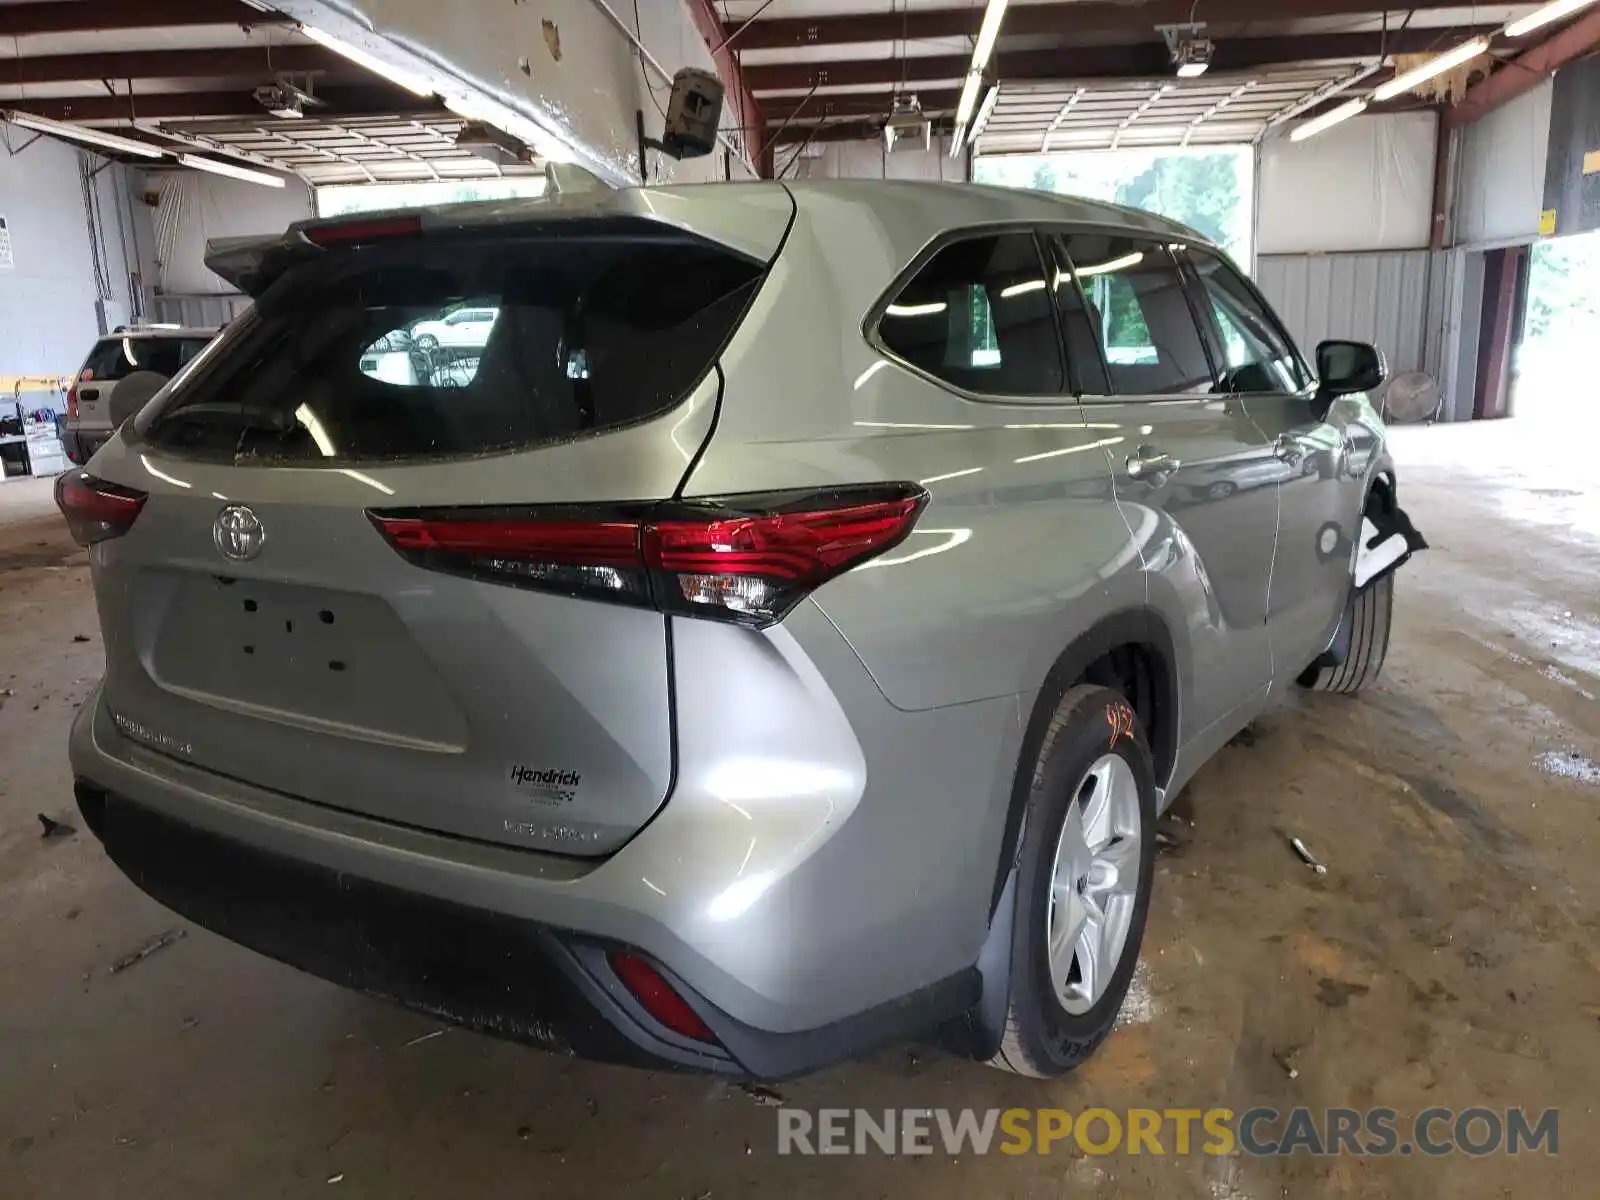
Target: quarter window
978	315
1147	331
1257	357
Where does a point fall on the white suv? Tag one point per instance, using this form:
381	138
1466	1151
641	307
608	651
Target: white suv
466	328
160	350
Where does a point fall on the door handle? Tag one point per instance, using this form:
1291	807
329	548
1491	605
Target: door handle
1148	463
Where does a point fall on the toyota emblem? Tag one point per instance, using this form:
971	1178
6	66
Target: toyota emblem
238	533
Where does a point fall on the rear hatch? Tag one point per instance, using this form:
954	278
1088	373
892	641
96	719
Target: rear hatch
297	605
118	356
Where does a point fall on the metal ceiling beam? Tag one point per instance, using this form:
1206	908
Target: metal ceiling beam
747	109
848	131
183	106
256	62
852	104
72	16
1139	61
1064	20
1527	71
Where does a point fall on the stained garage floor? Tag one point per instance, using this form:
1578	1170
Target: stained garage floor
1449	957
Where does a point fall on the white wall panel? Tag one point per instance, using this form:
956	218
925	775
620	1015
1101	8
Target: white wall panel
1500	190
866	159
1364	185
1382	298
196	207
61	282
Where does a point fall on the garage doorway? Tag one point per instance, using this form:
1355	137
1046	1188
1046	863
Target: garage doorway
1560	328
1210	189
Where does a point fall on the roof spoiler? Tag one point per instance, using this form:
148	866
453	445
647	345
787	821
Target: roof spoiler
252	264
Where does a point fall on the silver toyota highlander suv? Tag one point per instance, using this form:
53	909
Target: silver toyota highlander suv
776	639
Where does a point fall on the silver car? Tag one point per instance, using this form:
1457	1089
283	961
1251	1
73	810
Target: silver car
778	642
145	356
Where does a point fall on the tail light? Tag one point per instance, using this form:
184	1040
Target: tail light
656	996
72	400
748	559
96	510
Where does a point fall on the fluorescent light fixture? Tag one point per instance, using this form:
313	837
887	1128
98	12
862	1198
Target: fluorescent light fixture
870	372
1116	264
1022	289
395	75
969	99
162	475
1193	69
1100	445
230	170
985	111
1351	108
915	310
988	32
82	133
368	480
1544	16
309	422
1450	59
951	475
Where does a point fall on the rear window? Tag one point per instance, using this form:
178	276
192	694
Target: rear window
440	348
115	357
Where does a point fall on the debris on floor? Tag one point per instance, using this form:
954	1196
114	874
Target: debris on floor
427	1037
143	951
1307	857
1336	993
1286	1060
762	1095
55	830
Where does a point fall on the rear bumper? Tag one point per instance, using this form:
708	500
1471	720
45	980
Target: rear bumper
503	940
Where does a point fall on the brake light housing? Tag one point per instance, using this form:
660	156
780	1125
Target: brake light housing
747	559
96	510
72	394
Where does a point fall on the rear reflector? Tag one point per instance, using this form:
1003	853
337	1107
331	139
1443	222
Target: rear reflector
341	233
96	510
748	559
657	998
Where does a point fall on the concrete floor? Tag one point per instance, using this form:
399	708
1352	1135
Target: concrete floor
1448	957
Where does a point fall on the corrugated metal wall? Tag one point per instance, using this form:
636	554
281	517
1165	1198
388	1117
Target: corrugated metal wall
1382	298
200	312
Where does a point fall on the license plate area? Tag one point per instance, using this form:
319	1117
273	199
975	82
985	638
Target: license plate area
339	660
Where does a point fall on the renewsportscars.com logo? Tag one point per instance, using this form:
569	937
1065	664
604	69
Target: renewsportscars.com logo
1255	1133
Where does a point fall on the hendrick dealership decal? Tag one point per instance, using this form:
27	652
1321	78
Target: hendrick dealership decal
543	785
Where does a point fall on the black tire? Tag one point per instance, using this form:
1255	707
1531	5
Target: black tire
1368	614
1042	1039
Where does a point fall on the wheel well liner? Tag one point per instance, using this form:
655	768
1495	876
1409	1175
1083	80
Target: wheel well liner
1131	652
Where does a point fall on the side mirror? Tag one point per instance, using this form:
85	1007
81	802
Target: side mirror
1347	367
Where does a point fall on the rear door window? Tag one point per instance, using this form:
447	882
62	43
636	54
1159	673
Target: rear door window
978	315
1147	330
439	348
116	357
